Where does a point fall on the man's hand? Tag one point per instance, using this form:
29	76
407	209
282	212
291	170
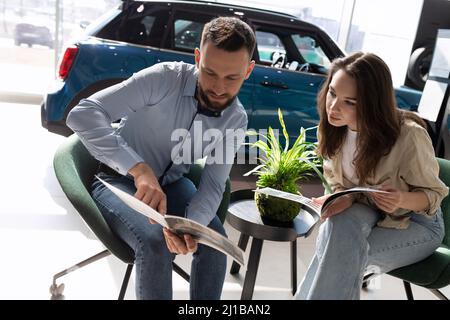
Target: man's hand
148	189
179	245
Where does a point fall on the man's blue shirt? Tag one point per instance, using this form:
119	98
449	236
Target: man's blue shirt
157	106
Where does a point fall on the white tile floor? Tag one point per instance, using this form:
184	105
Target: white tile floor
41	234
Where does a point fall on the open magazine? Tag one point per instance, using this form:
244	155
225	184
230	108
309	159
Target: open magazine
180	225
319	209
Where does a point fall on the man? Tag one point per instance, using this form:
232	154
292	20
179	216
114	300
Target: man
142	158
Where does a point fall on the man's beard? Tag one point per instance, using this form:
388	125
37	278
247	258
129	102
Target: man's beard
208	104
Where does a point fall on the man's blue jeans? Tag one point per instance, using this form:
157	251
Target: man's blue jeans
350	243
152	258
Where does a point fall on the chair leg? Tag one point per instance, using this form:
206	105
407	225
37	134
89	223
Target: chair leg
126	278
294	266
366	280
408	291
438	294
180	271
252	269
57	290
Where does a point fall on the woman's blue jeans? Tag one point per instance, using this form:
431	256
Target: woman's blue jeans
350	243
153	260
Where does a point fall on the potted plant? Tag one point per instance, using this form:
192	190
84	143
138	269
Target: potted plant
281	168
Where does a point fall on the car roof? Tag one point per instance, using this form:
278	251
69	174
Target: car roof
257	18
249	12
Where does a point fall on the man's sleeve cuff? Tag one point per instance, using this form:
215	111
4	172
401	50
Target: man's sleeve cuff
125	159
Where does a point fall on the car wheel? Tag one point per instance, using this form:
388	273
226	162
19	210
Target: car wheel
419	66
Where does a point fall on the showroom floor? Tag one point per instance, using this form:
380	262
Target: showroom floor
41	234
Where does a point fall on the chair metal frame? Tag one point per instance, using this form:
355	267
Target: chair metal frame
57	290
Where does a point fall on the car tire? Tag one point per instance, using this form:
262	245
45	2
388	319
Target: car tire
419	66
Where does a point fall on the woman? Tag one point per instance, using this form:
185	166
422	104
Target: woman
366	140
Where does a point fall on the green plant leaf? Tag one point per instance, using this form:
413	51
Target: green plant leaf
274	152
254	133
262	146
254	170
281	168
321	176
283	126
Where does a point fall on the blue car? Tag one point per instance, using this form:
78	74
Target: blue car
292	59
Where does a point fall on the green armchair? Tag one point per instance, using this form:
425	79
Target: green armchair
75	169
433	272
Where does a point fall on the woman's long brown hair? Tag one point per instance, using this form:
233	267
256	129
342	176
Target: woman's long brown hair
378	118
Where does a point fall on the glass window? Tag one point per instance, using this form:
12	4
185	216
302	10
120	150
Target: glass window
142	24
310	50
269	45
391	38
138	30
187	34
324	13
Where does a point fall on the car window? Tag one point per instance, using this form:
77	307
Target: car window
269	46
310	50
288	48
187	34
142	24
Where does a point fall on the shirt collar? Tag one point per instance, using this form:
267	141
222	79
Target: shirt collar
191	84
202	109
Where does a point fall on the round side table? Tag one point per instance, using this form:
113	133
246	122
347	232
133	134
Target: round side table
243	215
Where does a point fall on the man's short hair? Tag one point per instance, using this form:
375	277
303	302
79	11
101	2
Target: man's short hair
229	34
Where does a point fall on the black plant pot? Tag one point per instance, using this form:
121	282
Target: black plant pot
276	208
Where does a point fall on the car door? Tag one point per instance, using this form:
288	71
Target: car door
291	67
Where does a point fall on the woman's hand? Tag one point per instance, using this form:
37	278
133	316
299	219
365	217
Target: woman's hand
388	201
338	205
320	200
394	199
